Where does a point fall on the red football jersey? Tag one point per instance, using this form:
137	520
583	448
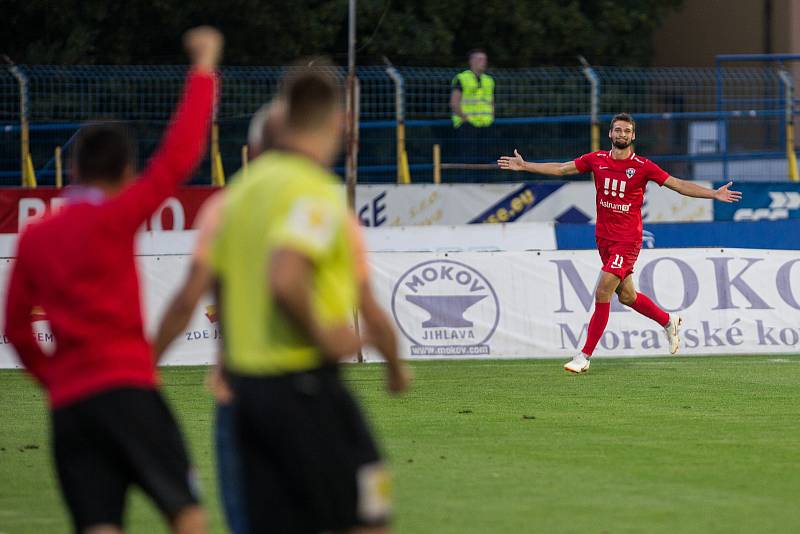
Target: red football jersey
78	266
620	185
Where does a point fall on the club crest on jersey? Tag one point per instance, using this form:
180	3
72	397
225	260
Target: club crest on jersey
630	172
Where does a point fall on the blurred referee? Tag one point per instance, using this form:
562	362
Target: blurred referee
110	426
286	261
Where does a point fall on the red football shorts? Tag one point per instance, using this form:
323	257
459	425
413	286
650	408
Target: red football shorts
618	256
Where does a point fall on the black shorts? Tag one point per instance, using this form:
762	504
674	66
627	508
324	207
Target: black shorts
309	461
111	440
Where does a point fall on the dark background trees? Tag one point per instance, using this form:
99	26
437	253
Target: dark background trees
270	32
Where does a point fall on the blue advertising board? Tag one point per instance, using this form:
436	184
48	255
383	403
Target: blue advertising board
761	202
784	234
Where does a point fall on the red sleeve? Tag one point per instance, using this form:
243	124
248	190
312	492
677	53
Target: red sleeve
656	174
180	152
584	163
18	328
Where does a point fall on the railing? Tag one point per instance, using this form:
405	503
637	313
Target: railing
545	112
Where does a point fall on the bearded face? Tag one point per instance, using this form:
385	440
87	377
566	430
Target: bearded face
622	134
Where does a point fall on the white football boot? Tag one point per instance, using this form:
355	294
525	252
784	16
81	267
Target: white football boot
578	364
673	330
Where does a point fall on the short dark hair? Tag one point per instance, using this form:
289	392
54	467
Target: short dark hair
625	117
103	151
311	94
476	51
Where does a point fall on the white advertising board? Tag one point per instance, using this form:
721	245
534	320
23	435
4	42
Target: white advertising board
463	238
536	304
451	204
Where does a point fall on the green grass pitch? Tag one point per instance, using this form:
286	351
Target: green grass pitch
637	445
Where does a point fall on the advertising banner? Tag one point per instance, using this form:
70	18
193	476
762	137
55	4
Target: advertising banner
160	277
556	201
19	206
533	304
538	304
761	202
473	237
726	234
406	205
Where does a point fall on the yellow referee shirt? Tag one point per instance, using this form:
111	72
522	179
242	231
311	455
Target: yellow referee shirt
287	201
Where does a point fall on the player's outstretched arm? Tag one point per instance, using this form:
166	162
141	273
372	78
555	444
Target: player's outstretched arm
516	163
691	189
184	142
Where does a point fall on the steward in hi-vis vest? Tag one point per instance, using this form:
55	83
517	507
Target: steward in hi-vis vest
472	98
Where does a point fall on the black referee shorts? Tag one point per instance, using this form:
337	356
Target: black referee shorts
107	442
310	463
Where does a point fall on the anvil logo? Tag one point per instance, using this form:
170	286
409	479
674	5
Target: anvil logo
445	307
447	311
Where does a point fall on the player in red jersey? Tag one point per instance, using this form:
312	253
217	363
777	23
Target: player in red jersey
110	426
620	178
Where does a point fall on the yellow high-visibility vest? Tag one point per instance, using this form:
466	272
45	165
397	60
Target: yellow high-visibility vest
477	99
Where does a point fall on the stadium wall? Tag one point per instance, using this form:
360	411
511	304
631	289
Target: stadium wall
507	291
532	304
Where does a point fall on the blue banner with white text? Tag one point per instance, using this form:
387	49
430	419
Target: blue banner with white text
783	234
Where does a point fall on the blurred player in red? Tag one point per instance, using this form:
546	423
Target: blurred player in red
620	178
110	426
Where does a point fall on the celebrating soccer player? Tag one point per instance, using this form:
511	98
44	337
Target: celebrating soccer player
620	178
111	427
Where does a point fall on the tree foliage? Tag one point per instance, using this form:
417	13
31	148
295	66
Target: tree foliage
269	32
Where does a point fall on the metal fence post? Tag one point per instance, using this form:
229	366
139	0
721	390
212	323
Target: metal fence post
788	99
403	173
217	172
594	82
59	171
352	110
722	124
26	163
437	163
215	158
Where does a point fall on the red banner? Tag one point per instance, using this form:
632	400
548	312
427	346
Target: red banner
19	206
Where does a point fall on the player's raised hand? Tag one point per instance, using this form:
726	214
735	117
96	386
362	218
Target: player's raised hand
204	46
512	163
724	194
